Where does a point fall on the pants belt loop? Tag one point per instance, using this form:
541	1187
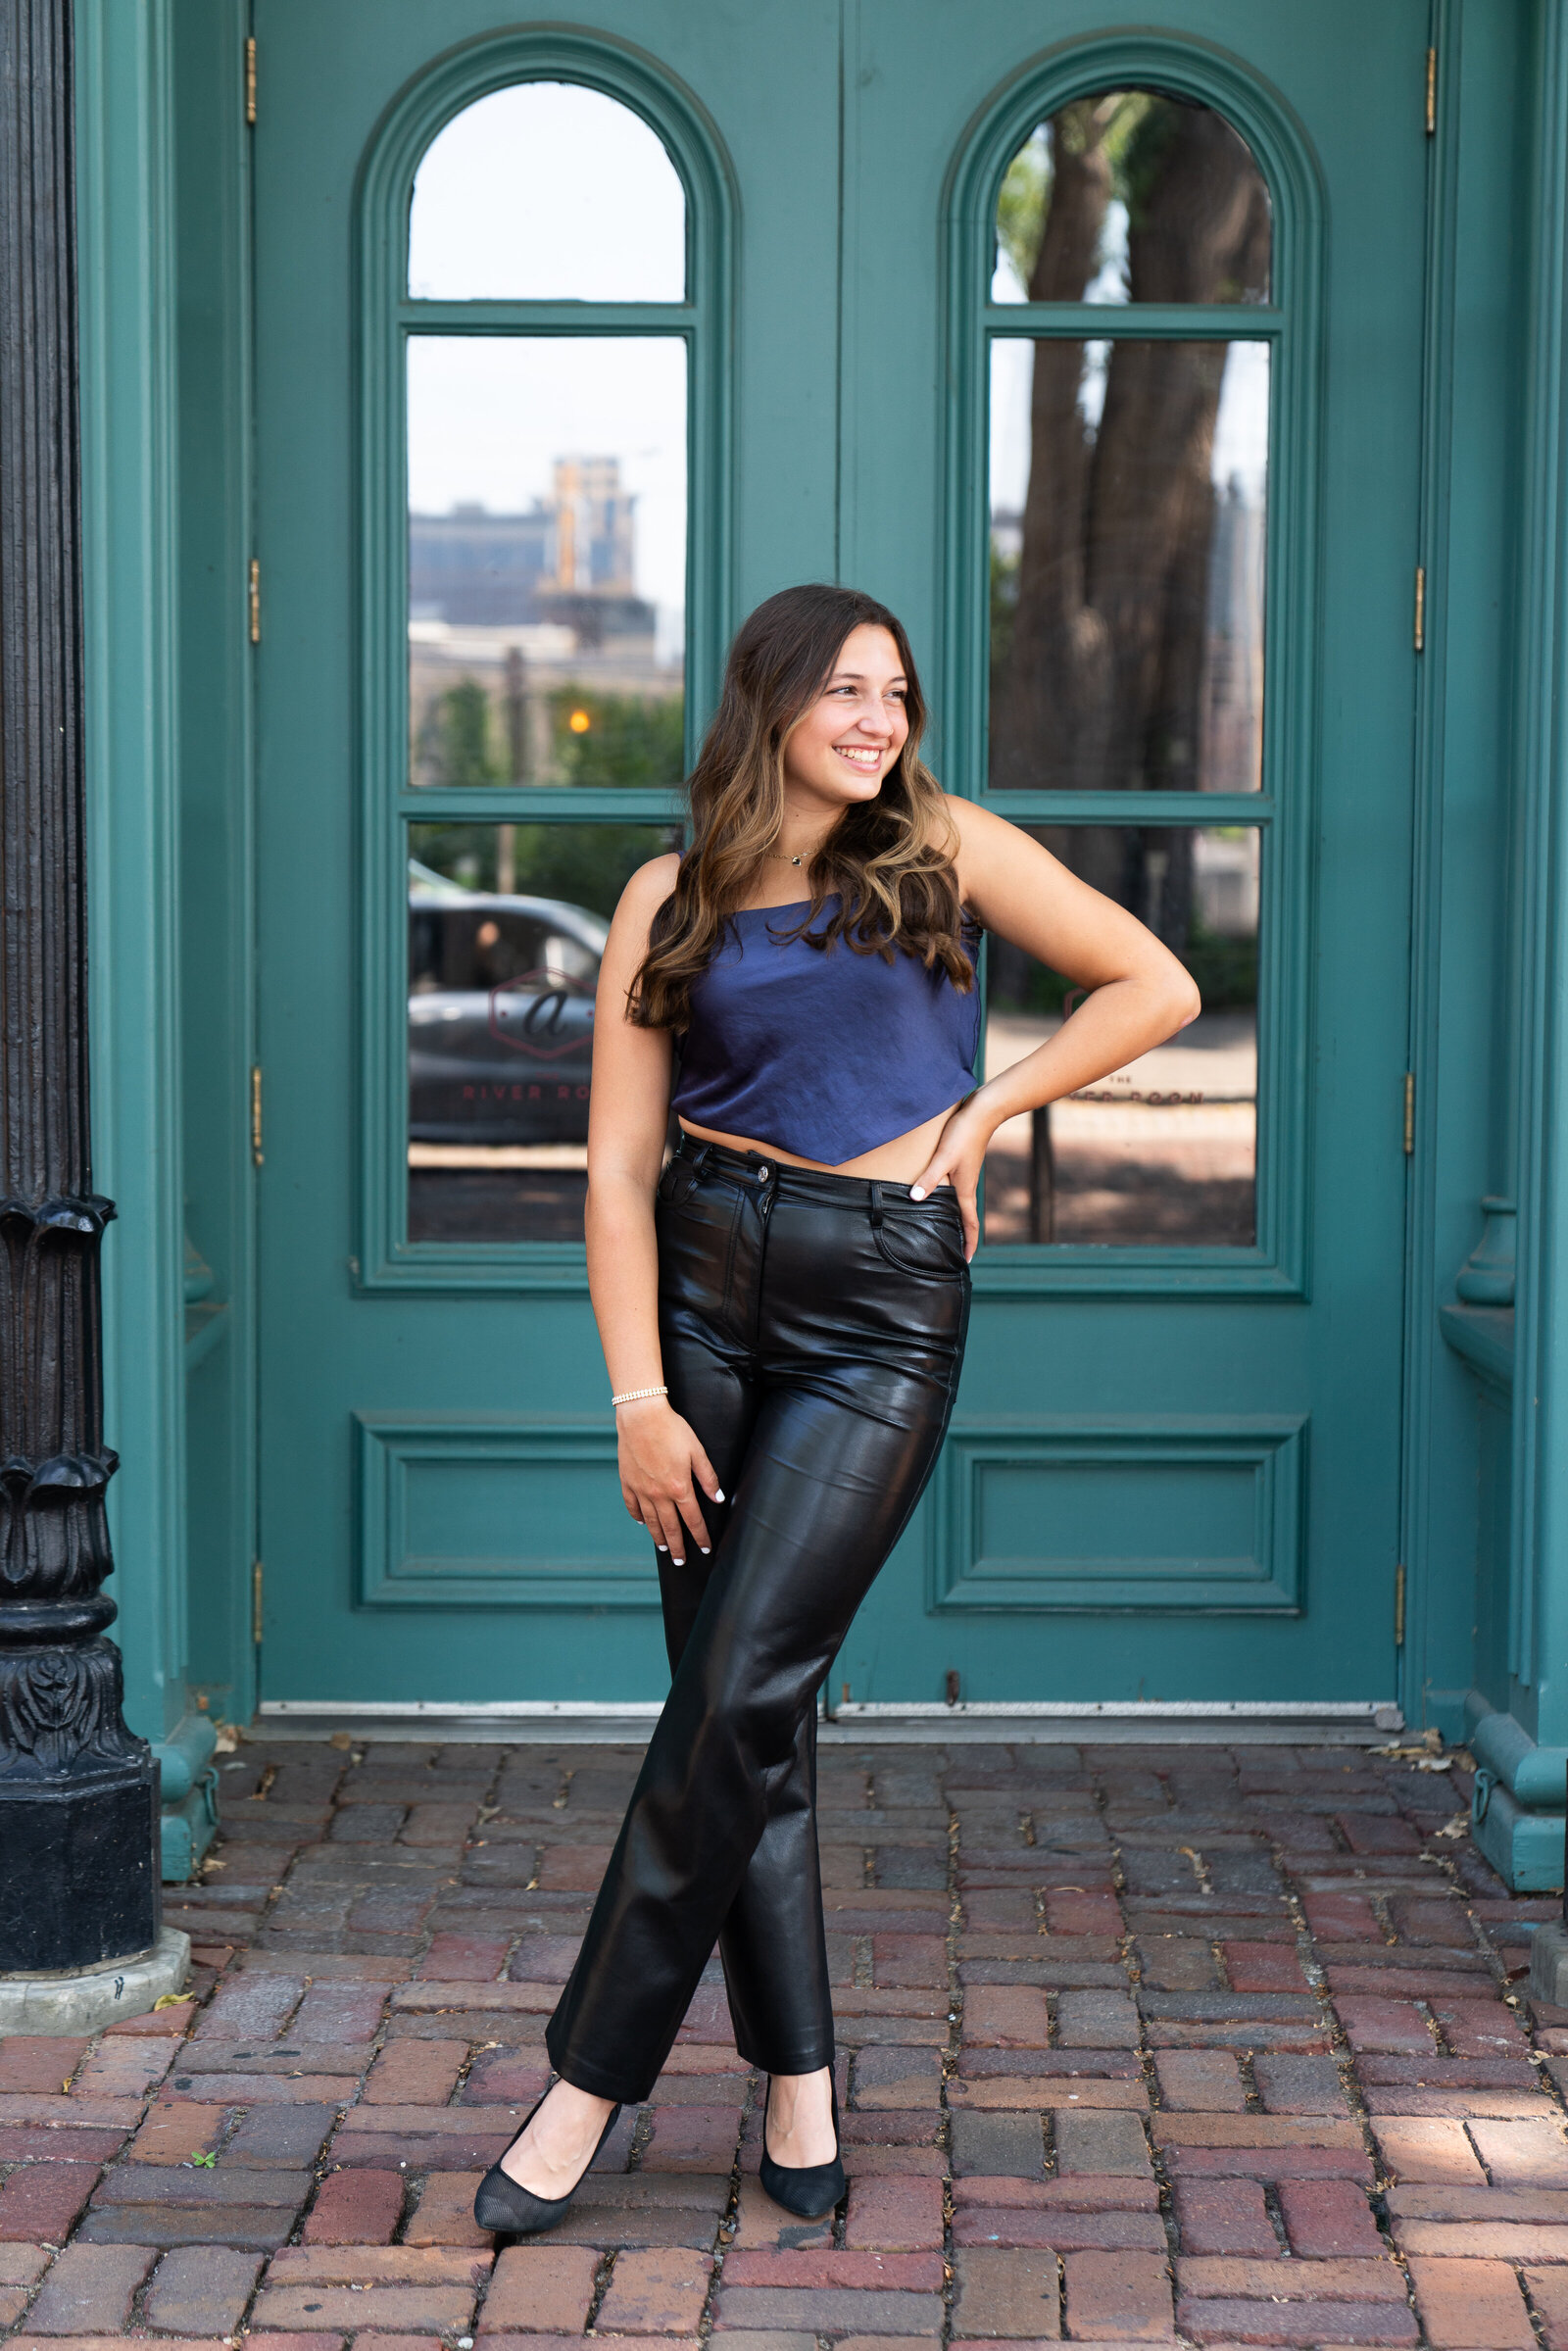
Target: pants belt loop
876	1205
700	1156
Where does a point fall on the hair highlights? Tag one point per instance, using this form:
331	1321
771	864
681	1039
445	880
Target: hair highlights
888	860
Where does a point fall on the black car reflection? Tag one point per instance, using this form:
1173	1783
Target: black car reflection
501	1013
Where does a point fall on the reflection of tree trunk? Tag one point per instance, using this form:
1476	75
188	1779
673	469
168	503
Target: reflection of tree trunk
1042	1177
1053	690
1102	689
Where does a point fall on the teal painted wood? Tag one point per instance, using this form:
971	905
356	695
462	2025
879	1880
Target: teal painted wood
332	1349
497	1510
124	228
1071	1514
1461	1020
1105	321
1538	1590
1484	1336
1345	157
833	467
217	930
188	1785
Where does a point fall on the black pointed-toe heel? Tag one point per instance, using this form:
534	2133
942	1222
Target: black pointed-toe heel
506	2208
808	2190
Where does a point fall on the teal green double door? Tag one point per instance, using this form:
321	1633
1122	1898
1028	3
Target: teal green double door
1096	354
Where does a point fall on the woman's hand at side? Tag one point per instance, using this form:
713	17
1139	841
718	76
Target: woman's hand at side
661	1466
662	1462
957	1160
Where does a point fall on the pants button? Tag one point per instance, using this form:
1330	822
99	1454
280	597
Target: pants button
762	1175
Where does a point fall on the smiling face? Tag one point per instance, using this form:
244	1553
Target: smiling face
851	735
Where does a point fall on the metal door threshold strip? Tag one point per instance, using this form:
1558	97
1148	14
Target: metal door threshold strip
1238	1722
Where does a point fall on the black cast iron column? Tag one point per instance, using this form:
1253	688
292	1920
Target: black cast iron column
79	1794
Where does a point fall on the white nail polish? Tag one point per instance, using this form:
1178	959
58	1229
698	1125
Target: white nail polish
704	1548
718	1493
660	1547
916	1191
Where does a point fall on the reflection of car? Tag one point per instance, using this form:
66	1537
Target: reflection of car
501	1012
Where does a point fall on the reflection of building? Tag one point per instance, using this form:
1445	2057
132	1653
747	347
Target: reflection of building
593	527
523	604
471	566
570	557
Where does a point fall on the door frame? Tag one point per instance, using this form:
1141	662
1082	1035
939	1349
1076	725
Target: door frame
1456	932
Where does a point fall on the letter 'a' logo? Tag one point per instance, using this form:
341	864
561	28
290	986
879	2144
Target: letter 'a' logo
530	1013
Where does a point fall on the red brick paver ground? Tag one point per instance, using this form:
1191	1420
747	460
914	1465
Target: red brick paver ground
1203	2045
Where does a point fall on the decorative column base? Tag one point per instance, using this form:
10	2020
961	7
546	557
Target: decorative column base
191	1796
86	1999
1516	1806
79	1875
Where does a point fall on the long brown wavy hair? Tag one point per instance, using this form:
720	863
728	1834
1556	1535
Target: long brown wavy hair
888	860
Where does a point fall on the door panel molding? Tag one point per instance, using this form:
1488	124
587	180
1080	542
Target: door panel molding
1292	326
383	318
1144	1482
528	1509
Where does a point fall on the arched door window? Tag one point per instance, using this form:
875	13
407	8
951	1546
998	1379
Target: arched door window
542	459
1133	339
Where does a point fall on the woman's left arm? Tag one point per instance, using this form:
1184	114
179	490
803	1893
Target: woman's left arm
1138	993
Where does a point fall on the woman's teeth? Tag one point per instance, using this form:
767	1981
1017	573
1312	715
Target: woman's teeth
858	758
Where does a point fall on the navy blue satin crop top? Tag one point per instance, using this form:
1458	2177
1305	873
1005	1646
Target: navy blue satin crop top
822	1051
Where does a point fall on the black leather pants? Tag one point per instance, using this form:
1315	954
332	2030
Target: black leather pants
812	1330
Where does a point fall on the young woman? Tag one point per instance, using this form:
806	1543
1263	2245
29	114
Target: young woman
783	1312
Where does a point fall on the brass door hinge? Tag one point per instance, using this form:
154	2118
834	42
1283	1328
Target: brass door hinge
1410	1111
1420	608
250	80
256	1116
256	1602
1398	1606
1432	91
256	600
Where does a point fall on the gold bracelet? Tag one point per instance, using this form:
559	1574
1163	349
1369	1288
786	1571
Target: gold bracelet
630	1395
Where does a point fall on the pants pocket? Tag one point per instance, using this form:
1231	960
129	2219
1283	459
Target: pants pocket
930	1251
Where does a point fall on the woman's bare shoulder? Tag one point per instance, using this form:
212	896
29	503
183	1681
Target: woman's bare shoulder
980	837
971	822
654	881
647	889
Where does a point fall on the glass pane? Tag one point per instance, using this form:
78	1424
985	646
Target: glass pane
507	923
547	192
1129	505
547	559
1164	1153
1131	196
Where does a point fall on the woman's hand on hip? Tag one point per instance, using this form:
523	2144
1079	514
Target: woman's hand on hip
957	1160
661	1466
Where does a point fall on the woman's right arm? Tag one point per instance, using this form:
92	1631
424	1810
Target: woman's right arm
662	1462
